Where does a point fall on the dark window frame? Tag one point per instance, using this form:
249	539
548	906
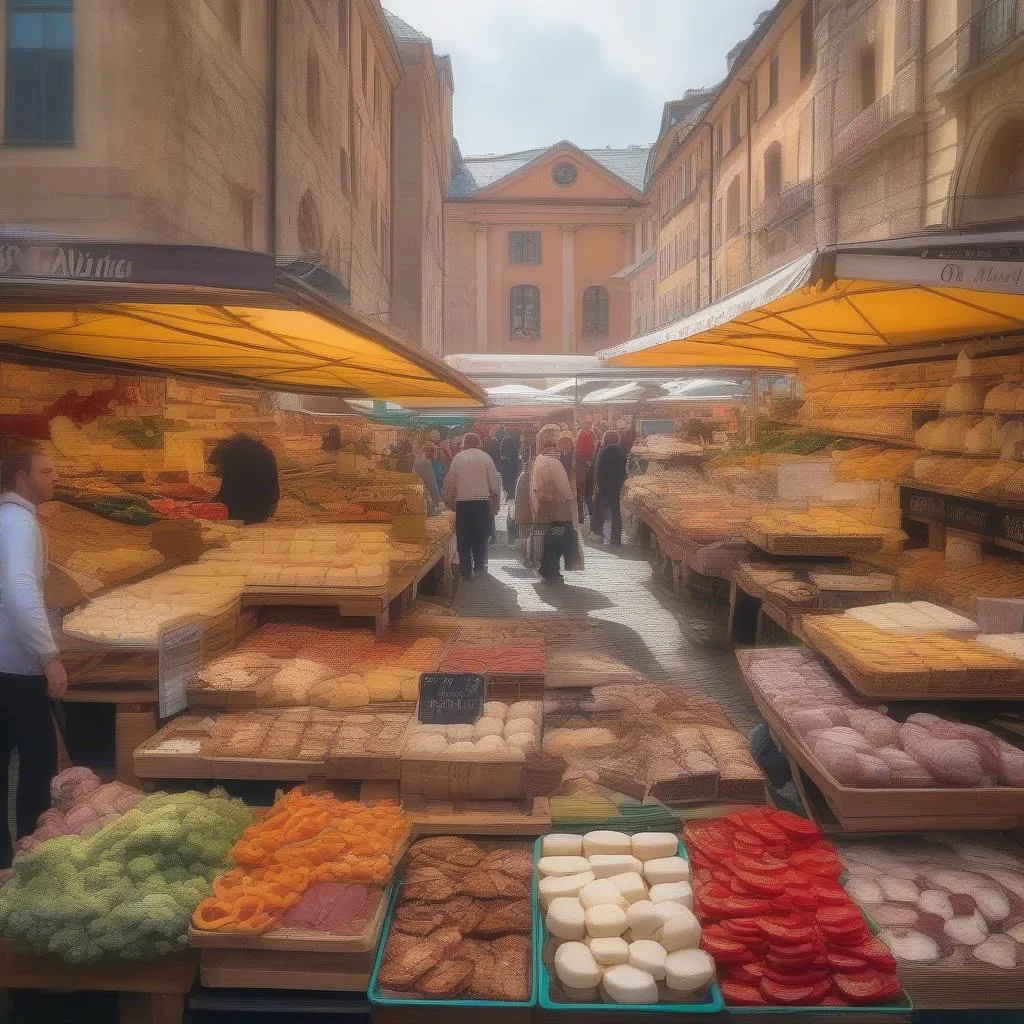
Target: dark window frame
524	313
524	248
773	80
807	39
596	312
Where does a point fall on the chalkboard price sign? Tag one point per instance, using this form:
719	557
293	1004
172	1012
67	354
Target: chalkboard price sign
451	699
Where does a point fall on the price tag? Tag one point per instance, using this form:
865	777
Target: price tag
452	699
180	659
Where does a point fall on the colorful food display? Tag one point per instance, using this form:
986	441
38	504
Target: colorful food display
779	925
505	732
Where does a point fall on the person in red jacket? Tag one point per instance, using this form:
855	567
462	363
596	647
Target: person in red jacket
586	444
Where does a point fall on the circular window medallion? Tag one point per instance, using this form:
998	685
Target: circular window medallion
564	174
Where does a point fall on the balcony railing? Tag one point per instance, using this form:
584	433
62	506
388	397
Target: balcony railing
876	121
987	34
788	203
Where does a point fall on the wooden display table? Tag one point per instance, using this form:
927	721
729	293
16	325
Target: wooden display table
148	993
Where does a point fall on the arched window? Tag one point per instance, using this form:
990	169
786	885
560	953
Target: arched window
772	170
310	234
595	312
524	312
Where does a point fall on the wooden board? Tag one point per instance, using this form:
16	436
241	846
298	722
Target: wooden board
476	818
463	780
966	683
271	969
821	545
980	985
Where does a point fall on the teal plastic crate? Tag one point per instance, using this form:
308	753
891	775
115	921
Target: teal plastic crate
377	998
712	1002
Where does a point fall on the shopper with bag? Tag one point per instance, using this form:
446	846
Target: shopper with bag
473	487
553	503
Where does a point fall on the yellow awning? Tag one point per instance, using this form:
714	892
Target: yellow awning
849	301
287	337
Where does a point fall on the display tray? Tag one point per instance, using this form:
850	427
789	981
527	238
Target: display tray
709	1001
463	780
979	985
897	810
823	544
999	682
423	1009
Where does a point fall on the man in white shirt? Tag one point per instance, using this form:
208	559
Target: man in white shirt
473	486
30	670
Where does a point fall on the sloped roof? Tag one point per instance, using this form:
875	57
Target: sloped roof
470	174
402	31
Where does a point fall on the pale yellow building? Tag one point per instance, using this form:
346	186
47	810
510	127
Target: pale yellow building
837	121
259	124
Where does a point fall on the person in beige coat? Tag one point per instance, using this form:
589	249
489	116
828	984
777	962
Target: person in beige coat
553	503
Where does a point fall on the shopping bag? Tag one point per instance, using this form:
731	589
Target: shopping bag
535	547
574	558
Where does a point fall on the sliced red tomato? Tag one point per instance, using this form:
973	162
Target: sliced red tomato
875	951
729	905
838	917
845	961
736	993
795	995
798	975
867	986
817	862
726	949
742	927
759	884
750	974
784	933
803	899
848	939
764	830
790	964
825	893
795	826
764	863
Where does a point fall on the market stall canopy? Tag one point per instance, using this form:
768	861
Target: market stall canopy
849	300
220	315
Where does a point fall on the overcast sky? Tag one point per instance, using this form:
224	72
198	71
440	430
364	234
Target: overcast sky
529	73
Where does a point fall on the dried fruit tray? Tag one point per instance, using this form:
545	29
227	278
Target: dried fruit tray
710	1003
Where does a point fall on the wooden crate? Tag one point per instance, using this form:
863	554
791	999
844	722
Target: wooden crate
273	969
151	765
995	683
463	780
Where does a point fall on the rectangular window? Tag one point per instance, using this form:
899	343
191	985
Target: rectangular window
773	79
364	60
524	247
718	140
867	77
734	123
807	39
40	88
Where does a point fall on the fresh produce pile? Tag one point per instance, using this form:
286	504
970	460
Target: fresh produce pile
304	840
781	928
861	746
462	924
82	805
619	911
950	900
526	657
128	890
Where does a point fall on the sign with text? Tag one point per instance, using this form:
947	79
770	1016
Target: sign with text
455	698
180	659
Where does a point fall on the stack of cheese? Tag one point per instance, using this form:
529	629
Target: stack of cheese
505	732
913	617
136	614
619	909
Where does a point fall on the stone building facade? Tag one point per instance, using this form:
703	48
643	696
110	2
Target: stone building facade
258	124
837	121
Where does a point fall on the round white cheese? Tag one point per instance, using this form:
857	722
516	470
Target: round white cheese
609	950
605	865
667	910
631	885
593	894
642	919
625	983
561	866
603	841
665	869
575	966
549	889
680	932
560	844
688	970
605	921
648	955
672	892
566	919
652	845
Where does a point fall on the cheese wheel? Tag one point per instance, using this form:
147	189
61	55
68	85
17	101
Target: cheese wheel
593	894
680	932
642	919
575	966
562	866
651	845
606	842
672	892
667	910
605	921
549	889
631	885
665	869
610	950
625	983
560	844
605	865
688	970
566	919
648	955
